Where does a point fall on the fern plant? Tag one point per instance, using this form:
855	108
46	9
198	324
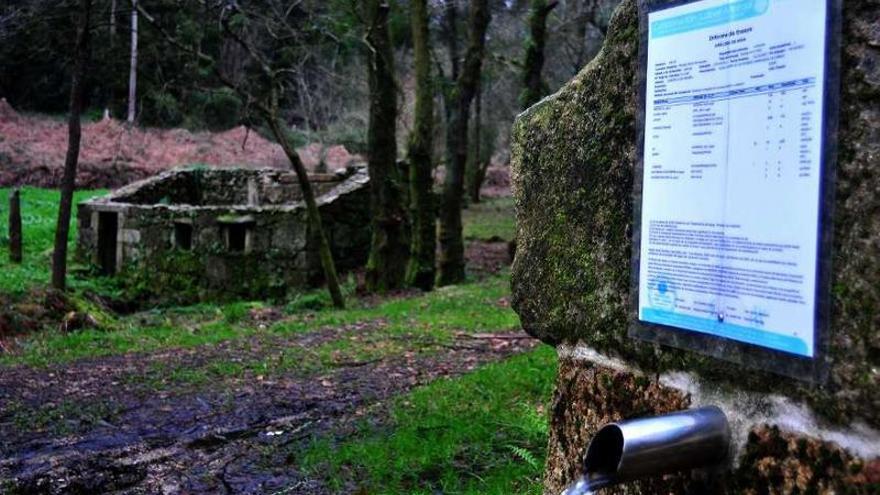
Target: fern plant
525	456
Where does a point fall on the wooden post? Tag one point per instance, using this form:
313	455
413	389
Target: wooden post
15	226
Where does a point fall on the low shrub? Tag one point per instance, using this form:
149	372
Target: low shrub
161	109
222	110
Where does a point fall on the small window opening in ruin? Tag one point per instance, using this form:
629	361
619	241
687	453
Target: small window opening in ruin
236	237
237	232
183	236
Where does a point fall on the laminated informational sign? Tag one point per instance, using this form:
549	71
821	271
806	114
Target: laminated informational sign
737	131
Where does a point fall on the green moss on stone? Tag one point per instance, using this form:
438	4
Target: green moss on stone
173	278
573	160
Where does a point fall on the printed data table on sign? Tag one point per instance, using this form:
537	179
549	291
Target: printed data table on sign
732	170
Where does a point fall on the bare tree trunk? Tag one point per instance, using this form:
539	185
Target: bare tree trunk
475	164
451	20
534	87
483	151
15	234
132	74
112	22
386	267
450	35
422	270
452	266
68	181
580	31
480	177
107	91
312	211
321	167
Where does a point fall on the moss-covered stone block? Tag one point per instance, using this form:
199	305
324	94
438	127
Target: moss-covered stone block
573	157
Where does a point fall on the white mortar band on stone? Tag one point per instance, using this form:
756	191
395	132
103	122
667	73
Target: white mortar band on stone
747	410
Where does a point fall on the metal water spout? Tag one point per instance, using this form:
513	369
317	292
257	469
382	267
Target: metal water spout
651	447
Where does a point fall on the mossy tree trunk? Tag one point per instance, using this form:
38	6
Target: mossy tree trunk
15	255
74	136
389	251
534	86
452	266
421	270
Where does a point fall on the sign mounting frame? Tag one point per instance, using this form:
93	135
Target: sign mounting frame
813	368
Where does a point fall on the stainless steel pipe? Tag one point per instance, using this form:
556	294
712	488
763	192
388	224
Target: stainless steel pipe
651	447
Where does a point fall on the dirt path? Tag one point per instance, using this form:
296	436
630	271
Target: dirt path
108	426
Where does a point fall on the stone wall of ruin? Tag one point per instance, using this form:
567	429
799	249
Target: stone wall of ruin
279	251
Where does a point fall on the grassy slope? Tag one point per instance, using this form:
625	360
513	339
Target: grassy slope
39	212
490	219
472	307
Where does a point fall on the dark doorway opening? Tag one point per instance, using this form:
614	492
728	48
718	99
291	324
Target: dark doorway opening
108	230
183	236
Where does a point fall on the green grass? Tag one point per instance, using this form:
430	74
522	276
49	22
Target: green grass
483	433
470	308
491	219
39	213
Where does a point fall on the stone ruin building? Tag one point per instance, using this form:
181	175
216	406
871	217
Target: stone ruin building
215	232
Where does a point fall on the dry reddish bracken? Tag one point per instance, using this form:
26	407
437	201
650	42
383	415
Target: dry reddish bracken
113	154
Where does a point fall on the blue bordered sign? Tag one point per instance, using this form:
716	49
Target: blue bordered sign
738	104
